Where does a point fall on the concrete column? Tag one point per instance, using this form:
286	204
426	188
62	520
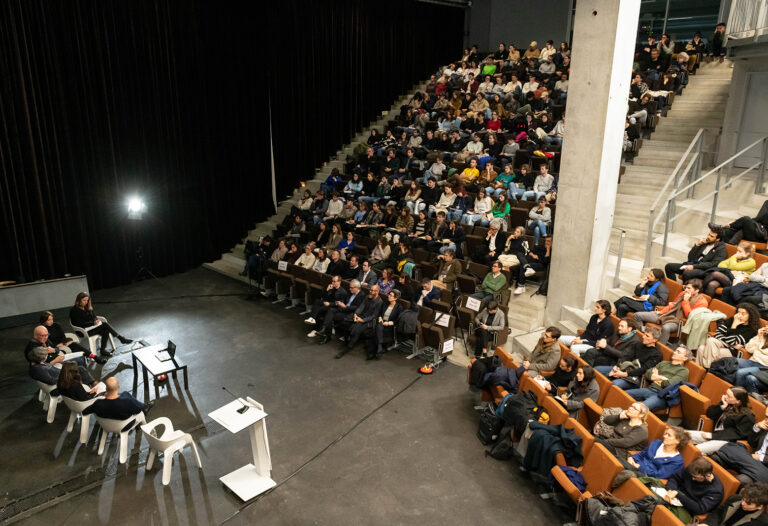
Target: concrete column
603	49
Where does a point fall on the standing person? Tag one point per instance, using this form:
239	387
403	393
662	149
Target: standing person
649	293
82	315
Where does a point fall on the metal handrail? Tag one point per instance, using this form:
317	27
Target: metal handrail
616	280
675	178
670	200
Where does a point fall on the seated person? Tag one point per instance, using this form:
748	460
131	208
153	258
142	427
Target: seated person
72	385
363	320
565	372
493	282
342	311
385	325
425	296
746	228
599	327
48	373
707	253
757	347
58	339
747	508
118	406
367	276
733	421
337	266
83	316
649	293
730	336
625	373
488	321
623	430
749	290
307	259
696	487
545	355
662	458
676	312
449	270
583	386
536	260
492	246
334	295
661	376
40	339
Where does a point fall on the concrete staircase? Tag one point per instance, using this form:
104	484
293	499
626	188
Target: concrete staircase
231	263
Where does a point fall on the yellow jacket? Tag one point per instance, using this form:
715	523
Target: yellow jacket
745	265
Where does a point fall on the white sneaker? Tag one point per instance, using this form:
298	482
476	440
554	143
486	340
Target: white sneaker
310	321
529	272
312	334
519	290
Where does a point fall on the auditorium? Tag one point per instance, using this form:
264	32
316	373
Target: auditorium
340	262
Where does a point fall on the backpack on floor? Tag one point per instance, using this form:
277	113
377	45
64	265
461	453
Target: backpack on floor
489	427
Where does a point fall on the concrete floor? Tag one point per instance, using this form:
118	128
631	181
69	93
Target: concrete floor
377	443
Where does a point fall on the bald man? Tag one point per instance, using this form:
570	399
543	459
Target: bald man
116	405
40	339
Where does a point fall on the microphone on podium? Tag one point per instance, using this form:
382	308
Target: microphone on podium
242	409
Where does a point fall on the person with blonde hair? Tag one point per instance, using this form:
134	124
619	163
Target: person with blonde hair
622	430
731	270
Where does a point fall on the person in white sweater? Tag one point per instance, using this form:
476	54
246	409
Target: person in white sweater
444	203
335	206
483	204
541	185
555	136
307	259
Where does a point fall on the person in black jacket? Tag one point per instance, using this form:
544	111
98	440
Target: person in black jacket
649	293
705	254
493	244
599	327
610	352
82	315
750	467
745	509
389	313
72	384
58	339
733	420
47	373
565	372
647	354
746	228
362	320
334	296
696	487
342	312
336	266
116	405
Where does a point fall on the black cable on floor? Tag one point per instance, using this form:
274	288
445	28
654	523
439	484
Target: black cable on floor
319	453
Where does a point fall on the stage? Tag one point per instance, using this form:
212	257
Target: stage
376	442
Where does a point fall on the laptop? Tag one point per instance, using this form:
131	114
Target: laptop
169	353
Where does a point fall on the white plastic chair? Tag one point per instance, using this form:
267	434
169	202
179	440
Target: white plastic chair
92	339
169	443
49	402
76	409
109	425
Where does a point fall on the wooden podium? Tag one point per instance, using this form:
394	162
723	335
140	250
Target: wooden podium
254	478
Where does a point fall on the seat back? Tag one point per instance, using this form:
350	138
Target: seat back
605	384
115	426
730	483
558	415
674	288
587	440
529	384
76	406
655	427
713	387
616	397
632	489
600	468
728	310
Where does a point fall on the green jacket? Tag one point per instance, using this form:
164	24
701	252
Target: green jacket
674	374
493	284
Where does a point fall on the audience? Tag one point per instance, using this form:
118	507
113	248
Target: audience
676	312
623	430
649	293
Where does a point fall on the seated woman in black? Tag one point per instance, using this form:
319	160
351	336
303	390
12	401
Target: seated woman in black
57	338
71	384
82	315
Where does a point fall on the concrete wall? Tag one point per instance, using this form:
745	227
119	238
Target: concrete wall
518	22
746	116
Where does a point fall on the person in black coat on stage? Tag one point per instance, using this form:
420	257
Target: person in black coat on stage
82	315
72	385
57	338
116	405
385	324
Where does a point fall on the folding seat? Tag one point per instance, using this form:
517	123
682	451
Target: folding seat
604	383
632	489
558	414
615	397
587	440
532	385
663	516
715	304
694	405
599	469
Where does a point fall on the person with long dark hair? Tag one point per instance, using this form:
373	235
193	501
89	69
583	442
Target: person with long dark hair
730	336
583	386
733	421
58	339
82	315
72	385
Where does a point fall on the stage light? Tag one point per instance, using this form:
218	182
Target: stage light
136	208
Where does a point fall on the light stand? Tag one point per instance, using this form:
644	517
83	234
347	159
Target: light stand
143	272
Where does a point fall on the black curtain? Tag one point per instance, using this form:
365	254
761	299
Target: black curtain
170	100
